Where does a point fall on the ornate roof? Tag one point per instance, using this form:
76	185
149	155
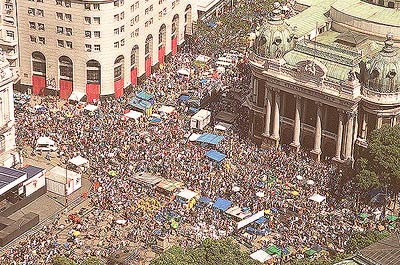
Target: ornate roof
384	69
274	38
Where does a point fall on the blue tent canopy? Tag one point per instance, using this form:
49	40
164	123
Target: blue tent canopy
205	200
144	95
140	104
184	98
212	24
222	204
261	220
209	138
215	155
155	120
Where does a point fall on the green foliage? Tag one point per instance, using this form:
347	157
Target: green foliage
210	252
61	260
381	163
362	240
91	261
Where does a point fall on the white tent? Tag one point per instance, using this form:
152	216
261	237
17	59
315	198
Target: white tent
63	182
194	137
203	58
184	71
317	198
133	114
187	194
78	161
76	96
166	109
261	256
91	107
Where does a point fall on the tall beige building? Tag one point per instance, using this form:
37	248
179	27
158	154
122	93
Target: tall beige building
328	76
97	47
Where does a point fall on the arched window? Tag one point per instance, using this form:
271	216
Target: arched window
93	71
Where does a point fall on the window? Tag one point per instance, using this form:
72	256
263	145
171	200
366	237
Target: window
137	19
68	3
116	3
96	34
97	47
116	44
60	30
32	25
122	29
31	11
116	31
59	16
59	2
173	4
122	15
39	12
40	26
68	17
88	47
160	14
96	20
42	40
60	43
116	17
68	31
132	34
88	20
68	44
121	2
10	34
122	42
88	34
132	8
137	5
132	22
39	1
96	6
32	38
136	32
87	6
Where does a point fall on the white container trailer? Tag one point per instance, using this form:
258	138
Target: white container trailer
200	120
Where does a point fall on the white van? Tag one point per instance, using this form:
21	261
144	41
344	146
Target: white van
45	144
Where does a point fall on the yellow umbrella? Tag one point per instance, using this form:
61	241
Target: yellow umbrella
76	233
295	193
267	211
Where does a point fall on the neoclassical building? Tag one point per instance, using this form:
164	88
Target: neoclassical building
97	47
326	77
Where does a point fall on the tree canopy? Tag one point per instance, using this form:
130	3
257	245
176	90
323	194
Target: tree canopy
380	165
210	252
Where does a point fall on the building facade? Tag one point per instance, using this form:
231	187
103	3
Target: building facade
9	35
8	154
325	87
97	47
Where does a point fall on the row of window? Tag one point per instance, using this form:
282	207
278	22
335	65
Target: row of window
96	47
148	22
66	3
92	20
119	30
64	44
34	25
92	6
35	39
35	12
148	10
119	17
89	34
64	30
64	16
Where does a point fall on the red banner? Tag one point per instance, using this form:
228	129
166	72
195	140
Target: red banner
134	76
148	63
161	54
174	45
65	88
38	85
119	88
92	92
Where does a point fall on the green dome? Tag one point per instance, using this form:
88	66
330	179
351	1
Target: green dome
274	38
384	69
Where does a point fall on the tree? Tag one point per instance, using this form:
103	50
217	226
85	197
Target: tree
210	252
61	260
91	261
380	164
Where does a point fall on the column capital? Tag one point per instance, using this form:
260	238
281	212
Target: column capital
318	104
351	114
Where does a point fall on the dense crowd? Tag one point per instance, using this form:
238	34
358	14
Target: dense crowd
126	147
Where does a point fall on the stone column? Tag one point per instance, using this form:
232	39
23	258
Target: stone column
318	133
275	132
296	134
364	125
267	113
339	137
349	133
379	122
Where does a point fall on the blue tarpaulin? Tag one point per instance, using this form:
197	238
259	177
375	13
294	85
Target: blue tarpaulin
212	24
215	155
140	104
155	120
184	98
145	96
222	204
205	200
209	138
261	220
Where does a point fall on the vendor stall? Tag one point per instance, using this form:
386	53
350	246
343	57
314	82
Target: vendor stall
200	120
62	181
